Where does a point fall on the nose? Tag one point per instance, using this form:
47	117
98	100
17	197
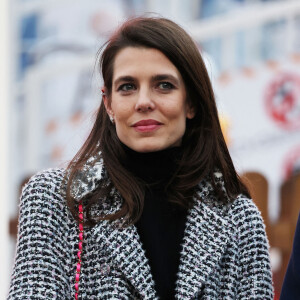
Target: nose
144	102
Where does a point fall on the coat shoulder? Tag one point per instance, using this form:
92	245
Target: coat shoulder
45	186
243	209
225	207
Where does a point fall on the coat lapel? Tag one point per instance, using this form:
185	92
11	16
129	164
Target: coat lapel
205	239
125	251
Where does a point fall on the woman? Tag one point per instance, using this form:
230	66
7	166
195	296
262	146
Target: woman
151	207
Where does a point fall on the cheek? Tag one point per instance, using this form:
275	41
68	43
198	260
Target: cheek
121	112
177	122
177	118
175	112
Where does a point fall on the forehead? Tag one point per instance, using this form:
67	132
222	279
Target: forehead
137	61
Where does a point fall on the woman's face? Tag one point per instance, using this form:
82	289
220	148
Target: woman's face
148	100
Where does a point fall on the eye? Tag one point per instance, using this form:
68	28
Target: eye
165	85
126	87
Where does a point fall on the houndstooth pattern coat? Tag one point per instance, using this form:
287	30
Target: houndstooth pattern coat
224	250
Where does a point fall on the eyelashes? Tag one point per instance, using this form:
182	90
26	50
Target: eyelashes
166	85
126	87
163	86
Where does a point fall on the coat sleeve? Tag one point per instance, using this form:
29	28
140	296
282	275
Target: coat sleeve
40	269
291	284
255	276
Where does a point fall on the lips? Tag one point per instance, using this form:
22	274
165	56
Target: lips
147	125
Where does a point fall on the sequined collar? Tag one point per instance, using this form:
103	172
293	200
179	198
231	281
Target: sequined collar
88	177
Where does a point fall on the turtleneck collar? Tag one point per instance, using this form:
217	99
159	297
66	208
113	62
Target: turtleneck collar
154	168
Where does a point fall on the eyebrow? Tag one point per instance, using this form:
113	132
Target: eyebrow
123	79
160	77
157	77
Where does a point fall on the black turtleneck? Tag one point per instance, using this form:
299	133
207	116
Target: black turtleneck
162	223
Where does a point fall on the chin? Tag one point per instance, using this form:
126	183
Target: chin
151	145
147	147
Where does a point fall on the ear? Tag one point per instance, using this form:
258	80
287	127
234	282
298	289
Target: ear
106	102
190	112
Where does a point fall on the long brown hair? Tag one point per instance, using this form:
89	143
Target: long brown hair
203	145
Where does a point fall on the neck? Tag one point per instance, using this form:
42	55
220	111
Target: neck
153	167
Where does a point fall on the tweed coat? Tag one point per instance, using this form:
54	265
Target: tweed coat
224	250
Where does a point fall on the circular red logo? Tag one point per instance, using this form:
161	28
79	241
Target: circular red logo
283	100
